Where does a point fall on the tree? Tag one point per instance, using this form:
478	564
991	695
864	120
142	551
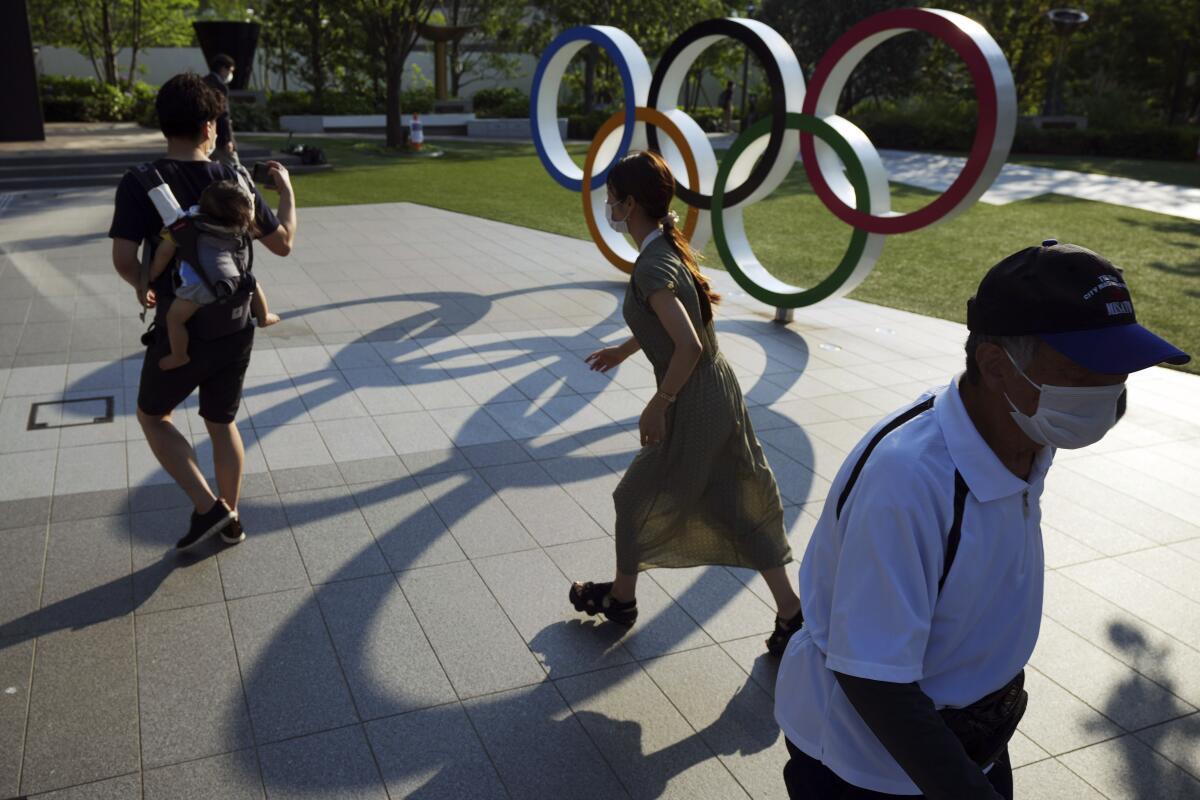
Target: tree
397	25
100	29
812	27
653	24
482	53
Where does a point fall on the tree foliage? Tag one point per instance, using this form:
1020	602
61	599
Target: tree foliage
100	29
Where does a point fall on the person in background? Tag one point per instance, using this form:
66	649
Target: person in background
219	79
922	583
726	101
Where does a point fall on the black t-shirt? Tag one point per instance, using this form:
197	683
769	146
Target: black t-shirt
136	219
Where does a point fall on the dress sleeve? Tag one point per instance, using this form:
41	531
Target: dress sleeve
653	274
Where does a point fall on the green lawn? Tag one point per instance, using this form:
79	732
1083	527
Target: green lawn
931	271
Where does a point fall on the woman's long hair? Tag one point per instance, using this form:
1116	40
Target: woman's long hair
646	177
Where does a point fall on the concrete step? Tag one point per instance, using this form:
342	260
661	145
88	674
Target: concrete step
59	178
124	159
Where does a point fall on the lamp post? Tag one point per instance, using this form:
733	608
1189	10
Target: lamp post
1065	21
746	65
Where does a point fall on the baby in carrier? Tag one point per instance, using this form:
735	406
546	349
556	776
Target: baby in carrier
226	214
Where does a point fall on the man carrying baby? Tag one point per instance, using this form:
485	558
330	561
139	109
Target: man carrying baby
187	112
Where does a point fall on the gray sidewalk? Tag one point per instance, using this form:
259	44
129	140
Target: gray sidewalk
429	465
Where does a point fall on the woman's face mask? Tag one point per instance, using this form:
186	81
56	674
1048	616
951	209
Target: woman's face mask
618	225
1068	417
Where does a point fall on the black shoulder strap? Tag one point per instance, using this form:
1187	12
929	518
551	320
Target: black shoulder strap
915	411
960	503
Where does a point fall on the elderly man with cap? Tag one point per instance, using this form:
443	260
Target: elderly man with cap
922	583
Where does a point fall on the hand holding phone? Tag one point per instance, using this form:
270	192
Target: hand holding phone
262	174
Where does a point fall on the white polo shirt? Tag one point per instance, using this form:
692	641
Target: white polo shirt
869	586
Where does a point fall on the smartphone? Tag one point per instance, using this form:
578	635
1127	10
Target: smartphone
262	174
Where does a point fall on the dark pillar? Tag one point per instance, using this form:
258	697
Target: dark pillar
21	120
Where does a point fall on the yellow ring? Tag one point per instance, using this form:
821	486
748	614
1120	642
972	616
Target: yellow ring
658	119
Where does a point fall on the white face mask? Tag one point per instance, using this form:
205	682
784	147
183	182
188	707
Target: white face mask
1069	417
618	225
228	77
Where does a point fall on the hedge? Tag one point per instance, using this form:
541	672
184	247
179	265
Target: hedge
500	102
69	99
920	132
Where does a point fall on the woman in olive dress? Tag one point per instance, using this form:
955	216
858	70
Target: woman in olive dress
700	491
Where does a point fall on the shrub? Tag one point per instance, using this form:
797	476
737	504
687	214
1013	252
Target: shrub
280	103
710	118
584	126
418	100
954	130
69	99
500	102
252	117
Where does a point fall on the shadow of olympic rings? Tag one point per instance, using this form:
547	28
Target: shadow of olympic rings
353	646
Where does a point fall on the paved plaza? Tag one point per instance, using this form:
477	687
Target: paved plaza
429	464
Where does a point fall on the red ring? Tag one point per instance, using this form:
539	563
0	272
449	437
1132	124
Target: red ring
985	94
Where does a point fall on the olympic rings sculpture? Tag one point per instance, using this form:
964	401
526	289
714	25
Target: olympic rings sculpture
803	124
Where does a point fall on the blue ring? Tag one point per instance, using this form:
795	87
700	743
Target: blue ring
590	34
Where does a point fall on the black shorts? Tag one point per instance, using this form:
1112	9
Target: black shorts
218	368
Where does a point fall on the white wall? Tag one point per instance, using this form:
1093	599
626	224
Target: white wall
157	64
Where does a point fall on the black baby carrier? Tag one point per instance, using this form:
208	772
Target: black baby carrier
196	238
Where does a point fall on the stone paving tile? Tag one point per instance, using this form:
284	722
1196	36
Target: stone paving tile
731	714
563	644
16	667
638	728
333	764
125	787
27	475
334	540
1166	610
163	579
539	747
389	665
232	776
24	513
267	561
413	432
434	754
1178	740
1126	768
714	598
407	530
462	619
189	690
300	479
480	522
291	676
1109	627
1051	780
87	573
1059	722
1116	690
549	514
83	722
24	552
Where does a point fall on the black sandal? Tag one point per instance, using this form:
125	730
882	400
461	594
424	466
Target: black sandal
777	642
596	598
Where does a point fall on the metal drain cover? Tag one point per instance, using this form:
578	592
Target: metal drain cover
70	413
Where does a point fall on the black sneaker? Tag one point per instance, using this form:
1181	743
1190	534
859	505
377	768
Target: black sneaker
233	533
205	525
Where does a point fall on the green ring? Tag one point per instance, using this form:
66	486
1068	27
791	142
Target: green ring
805	123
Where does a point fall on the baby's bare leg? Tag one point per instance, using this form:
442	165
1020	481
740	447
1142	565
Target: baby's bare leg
177	316
260	309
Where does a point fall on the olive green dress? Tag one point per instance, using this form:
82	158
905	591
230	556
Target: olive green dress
706	494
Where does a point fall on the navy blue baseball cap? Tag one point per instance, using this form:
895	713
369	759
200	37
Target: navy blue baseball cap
1074	300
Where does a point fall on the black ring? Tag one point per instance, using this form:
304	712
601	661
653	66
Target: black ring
729	29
